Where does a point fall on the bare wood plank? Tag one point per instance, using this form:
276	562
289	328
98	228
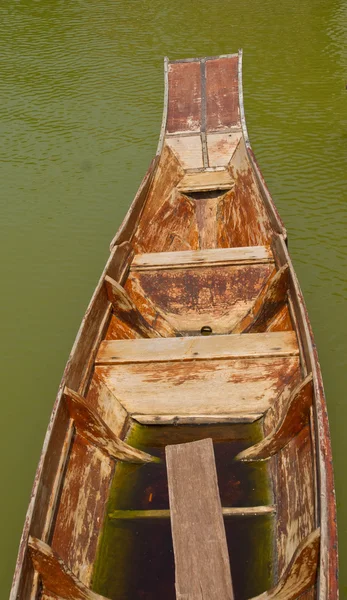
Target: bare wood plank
199	540
126	309
239	511
269	301
206	180
251	345
301	572
245	386
94	429
328	580
196	419
202	258
56	576
294	417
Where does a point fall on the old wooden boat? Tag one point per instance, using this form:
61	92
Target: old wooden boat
197	330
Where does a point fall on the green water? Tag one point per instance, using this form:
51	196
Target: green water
81	104
135	557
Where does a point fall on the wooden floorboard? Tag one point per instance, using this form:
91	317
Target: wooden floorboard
200	547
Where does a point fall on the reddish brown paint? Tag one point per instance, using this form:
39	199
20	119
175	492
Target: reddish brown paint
222	100
184	107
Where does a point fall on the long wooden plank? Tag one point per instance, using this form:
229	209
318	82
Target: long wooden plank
237	511
251	345
184	102
203	258
199	540
222	98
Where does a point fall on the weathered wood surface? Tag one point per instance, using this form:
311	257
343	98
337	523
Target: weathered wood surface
270	300
249	345
206	180
203	258
80	511
238	511
295	415
301	572
328	571
222	94
152	313
199	540
245	386
184	113
91	427
293	482
216	295
56	576
126	309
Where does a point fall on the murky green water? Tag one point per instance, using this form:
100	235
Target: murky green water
81	103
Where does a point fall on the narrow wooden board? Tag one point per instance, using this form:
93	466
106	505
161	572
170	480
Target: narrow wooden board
184	102
231	387
251	345
237	511
206	180
222	97
199	540
202	258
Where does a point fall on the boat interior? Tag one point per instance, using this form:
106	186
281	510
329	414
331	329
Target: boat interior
196	330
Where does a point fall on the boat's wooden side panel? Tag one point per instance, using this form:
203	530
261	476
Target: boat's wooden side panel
81	507
328	577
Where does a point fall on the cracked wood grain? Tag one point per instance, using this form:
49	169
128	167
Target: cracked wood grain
199	540
94	429
270	299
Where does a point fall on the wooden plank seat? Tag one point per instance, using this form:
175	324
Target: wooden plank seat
232	376
202	568
196	258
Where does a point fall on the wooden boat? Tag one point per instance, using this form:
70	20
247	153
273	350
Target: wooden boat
197	329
